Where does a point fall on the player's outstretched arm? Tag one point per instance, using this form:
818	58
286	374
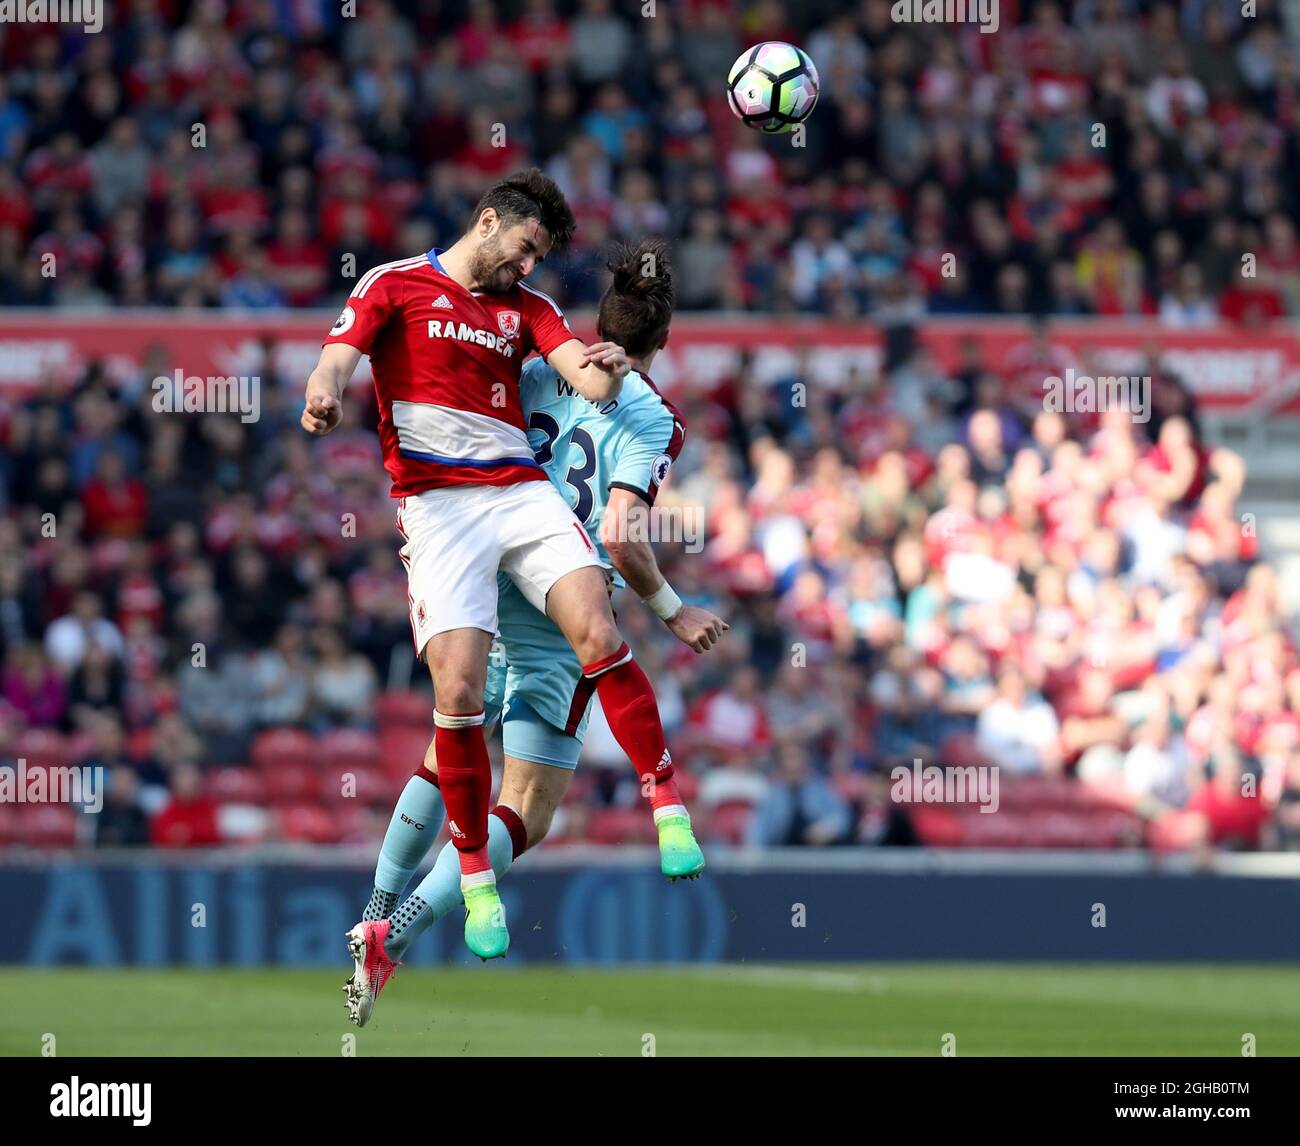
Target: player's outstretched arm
596	371
323	402
625	533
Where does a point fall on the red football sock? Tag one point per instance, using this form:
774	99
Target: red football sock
633	715
665	795
465	779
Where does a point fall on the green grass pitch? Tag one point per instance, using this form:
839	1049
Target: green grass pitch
730	1010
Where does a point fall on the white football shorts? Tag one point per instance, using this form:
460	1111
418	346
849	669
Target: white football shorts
457	537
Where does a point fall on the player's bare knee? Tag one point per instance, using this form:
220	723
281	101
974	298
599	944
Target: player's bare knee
458	666
595	637
458	696
537	822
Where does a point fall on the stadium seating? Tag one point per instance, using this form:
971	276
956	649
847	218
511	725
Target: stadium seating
292	782
236	785
10	828
277	747
621	826
309	823
342	783
727	822
349	748
405	710
47	826
43	748
401	750
958	826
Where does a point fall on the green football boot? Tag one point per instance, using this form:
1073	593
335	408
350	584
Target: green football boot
485	922
679	853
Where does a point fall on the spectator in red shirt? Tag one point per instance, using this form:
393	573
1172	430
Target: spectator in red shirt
189	818
483	155
540	37
1233	808
298	260
16	212
58	170
116	504
33	688
732	721
1082	177
477	35
1251	303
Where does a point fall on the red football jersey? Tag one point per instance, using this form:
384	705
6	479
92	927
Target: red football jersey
446	365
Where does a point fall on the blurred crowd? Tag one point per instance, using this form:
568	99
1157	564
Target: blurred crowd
935	567
915	565
1113	157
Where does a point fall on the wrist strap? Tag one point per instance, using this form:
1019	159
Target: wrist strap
664	602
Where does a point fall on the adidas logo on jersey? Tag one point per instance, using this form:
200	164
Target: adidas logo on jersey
463	332
442	302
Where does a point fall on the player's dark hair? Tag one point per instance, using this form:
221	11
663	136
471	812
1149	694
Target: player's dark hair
530	194
638	306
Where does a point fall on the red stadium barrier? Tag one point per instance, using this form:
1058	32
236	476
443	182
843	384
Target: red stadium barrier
1229	369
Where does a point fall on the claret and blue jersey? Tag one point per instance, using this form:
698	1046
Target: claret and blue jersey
586	449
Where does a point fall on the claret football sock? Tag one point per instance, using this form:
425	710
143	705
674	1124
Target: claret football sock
439	893
417	819
465	777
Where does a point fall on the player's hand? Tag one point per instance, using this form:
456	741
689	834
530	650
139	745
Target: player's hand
321	412
697	627
607	356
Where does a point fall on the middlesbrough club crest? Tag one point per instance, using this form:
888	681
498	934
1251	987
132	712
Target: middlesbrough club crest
508	321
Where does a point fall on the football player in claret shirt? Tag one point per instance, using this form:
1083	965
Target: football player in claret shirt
447	333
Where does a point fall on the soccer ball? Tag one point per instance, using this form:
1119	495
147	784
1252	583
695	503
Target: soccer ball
773	86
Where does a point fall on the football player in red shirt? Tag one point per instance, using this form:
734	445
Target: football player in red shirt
447	333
